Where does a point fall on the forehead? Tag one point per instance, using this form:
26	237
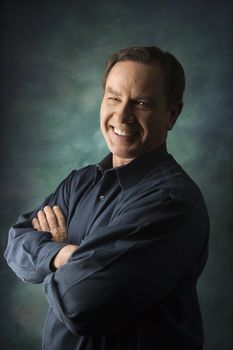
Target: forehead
137	75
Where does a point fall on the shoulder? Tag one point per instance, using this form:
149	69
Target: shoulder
168	180
80	177
88	170
178	185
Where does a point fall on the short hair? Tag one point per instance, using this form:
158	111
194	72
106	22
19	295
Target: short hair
173	70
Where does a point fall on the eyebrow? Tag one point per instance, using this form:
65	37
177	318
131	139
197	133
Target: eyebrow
109	89
139	97
142	97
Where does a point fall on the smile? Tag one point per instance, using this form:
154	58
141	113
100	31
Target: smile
123	132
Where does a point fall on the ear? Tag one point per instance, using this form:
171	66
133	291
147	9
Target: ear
175	111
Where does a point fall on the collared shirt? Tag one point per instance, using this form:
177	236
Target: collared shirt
142	231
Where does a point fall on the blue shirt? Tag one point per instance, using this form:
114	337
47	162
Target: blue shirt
142	231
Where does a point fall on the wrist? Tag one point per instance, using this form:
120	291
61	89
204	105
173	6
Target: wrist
62	257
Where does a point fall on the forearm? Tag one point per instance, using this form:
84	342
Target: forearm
30	250
108	281
62	257
90	293
29	253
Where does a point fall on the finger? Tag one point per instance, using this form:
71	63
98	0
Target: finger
43	221
36	224
60	217
51	218
61	234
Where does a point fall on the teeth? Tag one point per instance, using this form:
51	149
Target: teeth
122	132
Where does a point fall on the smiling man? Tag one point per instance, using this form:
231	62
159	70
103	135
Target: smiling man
135	112
120	245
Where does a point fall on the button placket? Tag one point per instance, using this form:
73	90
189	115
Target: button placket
106	184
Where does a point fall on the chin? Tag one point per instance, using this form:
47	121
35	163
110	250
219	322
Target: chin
125	155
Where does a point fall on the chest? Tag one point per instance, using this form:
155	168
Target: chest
92	208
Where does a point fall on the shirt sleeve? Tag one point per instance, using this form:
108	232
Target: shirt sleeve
122	269
28	251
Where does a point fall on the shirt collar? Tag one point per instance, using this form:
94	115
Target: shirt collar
131	173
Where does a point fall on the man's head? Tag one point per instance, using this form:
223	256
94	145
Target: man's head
173	70
143	91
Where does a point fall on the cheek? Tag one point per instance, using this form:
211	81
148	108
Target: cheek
152	127
102	114
104	120
148	123
105	114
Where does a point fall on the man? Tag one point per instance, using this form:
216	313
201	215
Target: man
120	245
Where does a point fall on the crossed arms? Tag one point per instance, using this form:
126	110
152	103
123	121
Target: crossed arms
51	219
103	283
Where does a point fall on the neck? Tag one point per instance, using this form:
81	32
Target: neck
116	161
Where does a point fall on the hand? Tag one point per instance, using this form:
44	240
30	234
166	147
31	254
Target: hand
62	257
51	220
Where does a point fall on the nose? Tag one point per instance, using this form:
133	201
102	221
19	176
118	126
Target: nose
125	113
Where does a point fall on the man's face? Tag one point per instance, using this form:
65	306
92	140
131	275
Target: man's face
134	115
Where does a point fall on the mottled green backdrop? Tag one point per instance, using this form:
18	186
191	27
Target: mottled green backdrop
52	60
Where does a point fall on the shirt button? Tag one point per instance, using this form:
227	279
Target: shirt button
102	198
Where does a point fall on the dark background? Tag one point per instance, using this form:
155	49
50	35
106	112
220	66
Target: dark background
52	60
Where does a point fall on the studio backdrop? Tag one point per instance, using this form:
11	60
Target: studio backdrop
52	60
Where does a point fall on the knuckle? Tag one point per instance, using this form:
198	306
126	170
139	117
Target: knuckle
54	228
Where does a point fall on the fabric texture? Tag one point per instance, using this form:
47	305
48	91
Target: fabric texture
142	231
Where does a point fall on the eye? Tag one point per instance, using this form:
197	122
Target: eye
142	104
112	99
